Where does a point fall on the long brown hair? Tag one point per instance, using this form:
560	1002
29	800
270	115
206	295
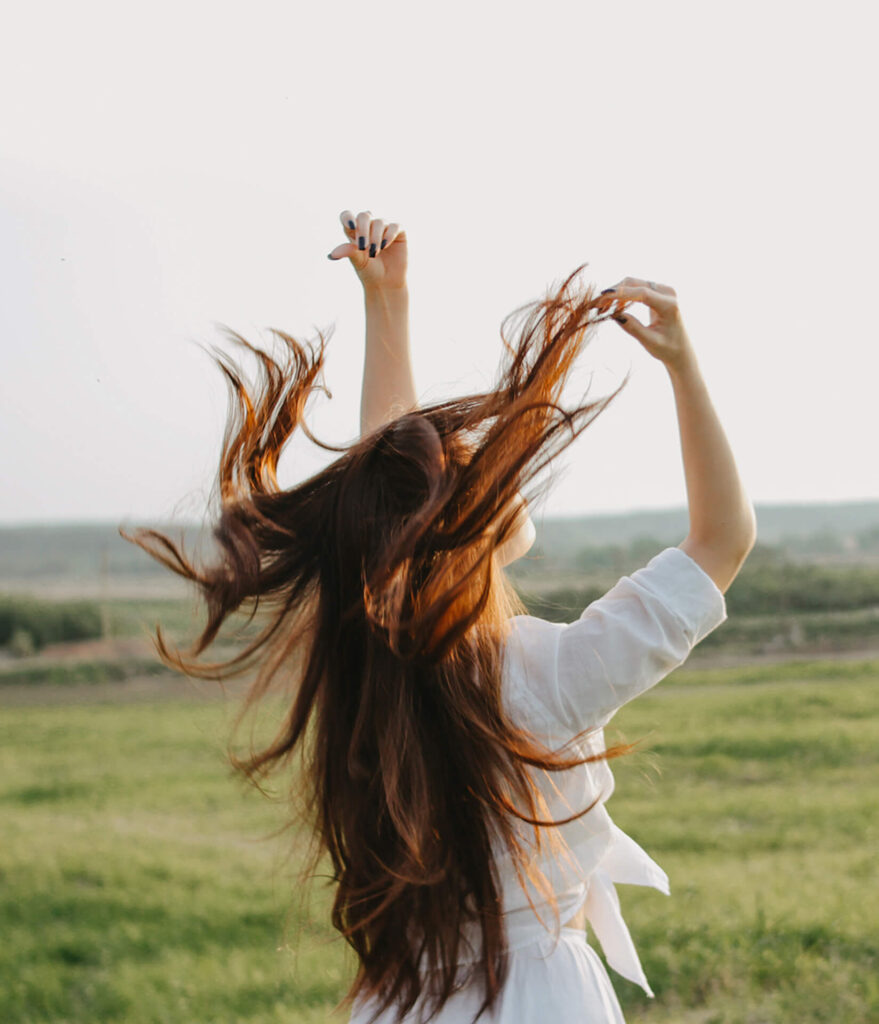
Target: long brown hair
385	610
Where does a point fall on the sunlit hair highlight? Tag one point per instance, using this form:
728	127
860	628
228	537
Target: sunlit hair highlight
383	615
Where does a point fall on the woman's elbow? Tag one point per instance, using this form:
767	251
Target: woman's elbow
721	559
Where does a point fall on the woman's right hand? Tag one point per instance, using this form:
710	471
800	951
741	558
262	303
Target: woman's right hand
378	251
665	337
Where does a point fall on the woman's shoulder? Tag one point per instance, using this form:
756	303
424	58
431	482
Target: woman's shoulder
531	637
529	665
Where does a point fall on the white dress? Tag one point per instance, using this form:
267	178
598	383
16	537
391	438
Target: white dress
558	680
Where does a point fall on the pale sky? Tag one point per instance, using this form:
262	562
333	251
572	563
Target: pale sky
184	166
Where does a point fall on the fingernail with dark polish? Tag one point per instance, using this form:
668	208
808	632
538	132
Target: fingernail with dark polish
384	243
361	242
620	319
329	255
372	248
606	290
351	224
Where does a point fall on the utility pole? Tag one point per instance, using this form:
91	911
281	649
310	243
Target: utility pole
105	592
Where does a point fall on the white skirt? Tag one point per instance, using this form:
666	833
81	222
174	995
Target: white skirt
550	979
556	975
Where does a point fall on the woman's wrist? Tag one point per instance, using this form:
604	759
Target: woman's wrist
374	291
387	317
685	367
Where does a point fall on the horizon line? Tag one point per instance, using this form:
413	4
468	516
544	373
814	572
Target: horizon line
639	510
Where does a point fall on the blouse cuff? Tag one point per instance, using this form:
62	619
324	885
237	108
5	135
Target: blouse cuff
686	589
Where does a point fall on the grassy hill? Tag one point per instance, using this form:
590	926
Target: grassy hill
141	882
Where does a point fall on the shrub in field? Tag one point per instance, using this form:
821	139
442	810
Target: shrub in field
21	644
47	622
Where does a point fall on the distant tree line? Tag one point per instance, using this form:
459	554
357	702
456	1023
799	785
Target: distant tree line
641	549
769	583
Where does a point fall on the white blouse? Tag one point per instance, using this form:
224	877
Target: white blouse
562	678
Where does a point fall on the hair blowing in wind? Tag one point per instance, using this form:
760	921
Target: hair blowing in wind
383	612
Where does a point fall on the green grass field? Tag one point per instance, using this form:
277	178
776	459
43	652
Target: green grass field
136	886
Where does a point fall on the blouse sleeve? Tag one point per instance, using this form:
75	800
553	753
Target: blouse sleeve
631	638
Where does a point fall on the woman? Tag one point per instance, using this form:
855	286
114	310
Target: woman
453	745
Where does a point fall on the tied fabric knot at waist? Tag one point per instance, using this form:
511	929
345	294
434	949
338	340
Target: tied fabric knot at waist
625	862
617	859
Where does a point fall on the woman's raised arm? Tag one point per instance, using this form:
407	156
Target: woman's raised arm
723	526
378	253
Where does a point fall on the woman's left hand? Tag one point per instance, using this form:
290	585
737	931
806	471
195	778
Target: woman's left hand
377	251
